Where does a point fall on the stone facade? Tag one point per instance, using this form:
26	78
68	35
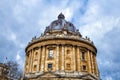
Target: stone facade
61	53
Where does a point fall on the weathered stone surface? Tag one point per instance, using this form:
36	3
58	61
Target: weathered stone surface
61	54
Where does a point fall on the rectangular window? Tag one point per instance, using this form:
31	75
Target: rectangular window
84	67
68	66
68	52
83	55
50	55
49	66
35	67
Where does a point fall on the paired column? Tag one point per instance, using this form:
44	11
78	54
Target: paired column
89	61
43	58
92	62
39	54
63	57
78	59
73	55
26	63
46	58
30	61
96	68
57	58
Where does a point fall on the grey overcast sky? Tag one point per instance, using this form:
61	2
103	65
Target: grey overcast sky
20	20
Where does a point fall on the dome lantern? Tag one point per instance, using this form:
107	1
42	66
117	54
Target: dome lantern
61	16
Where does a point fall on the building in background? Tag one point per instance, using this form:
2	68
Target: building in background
61	53
4	70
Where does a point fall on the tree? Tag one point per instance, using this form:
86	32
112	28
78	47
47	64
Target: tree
14	71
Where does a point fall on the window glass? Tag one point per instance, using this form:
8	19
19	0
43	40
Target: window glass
50	54
83	55
84	67
49	65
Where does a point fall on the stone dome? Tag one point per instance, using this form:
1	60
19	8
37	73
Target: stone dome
61	24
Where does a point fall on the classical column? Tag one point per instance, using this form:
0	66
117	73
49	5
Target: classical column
80	54
92	62
78	59
32	60
89	62
63	57
73	55
27	60
26	64
30	54
46	58
97	72
39	53
43	58
57	58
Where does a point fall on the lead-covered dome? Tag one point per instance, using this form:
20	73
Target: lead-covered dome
61	24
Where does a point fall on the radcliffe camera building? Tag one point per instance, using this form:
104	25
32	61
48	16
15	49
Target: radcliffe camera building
61	53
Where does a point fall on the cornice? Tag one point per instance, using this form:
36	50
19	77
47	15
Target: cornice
61	37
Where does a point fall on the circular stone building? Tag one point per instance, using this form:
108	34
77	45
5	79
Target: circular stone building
61	53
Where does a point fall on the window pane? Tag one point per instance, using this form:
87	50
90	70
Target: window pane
49	65
84	67
83	55
50	54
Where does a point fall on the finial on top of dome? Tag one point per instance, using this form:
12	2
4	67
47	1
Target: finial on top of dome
61	16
